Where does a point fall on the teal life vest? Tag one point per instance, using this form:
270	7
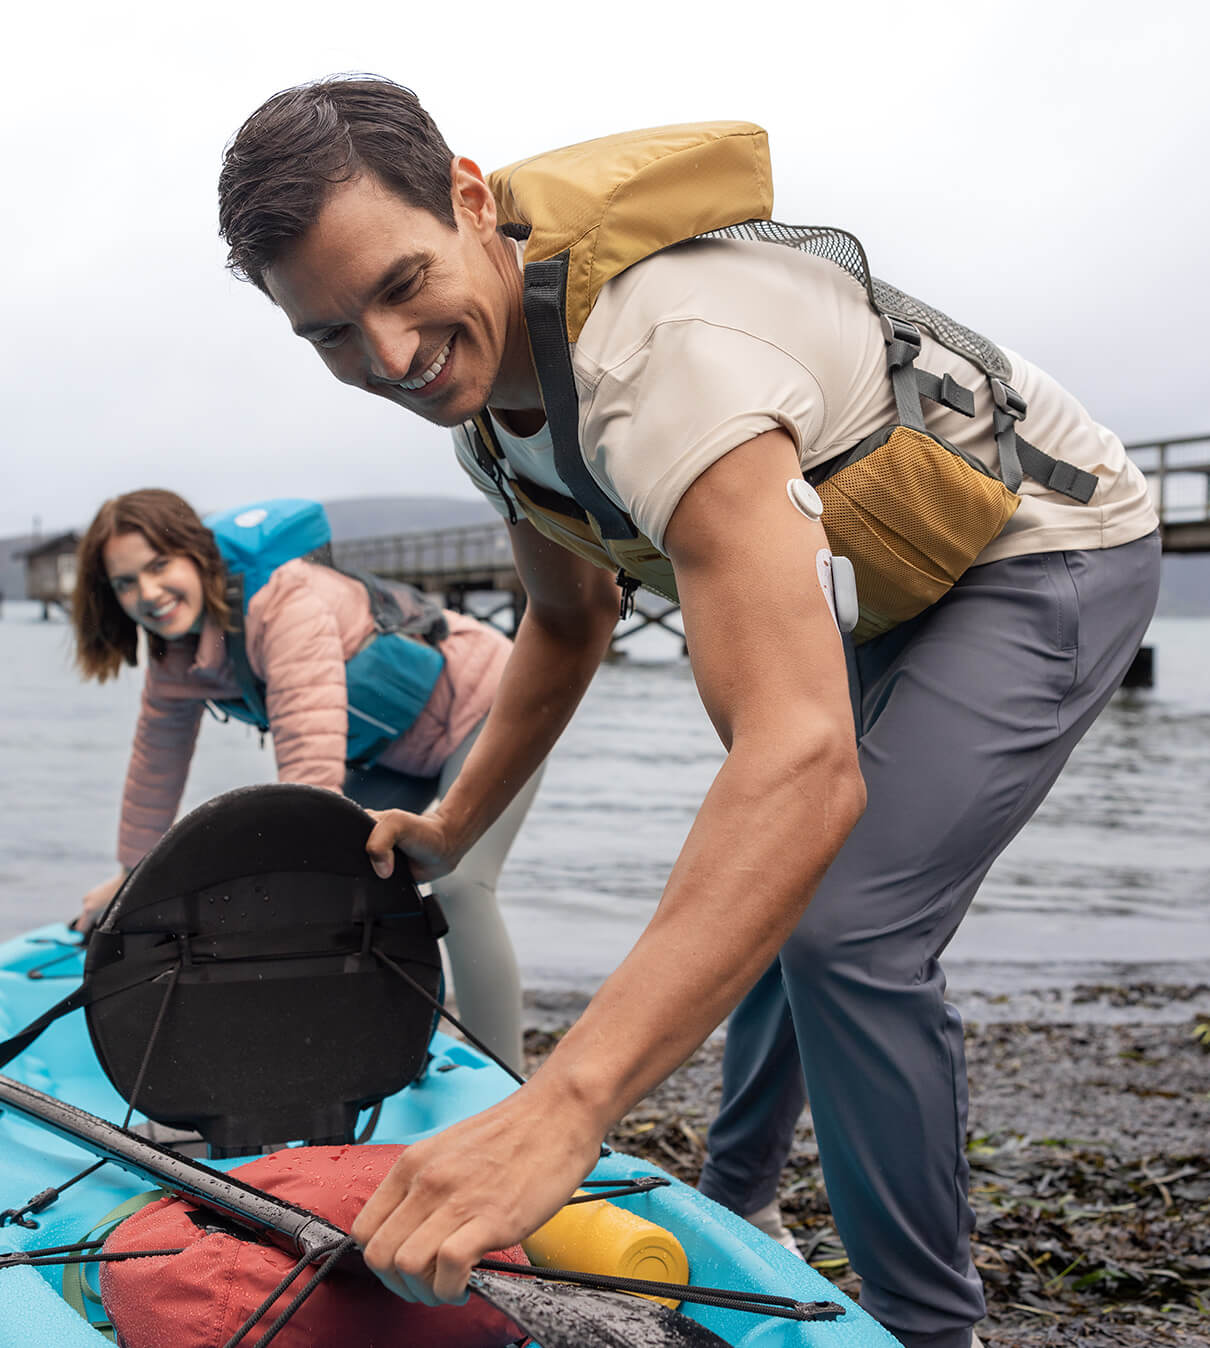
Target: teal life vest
389	680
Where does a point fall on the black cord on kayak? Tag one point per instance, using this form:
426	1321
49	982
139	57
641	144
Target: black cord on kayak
169	989
73	948
757	1303
329	1263
259	1313
440	1009
617	1188
47	1259
40	1202
456	1023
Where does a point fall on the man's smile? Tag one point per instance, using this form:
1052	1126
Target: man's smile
431	374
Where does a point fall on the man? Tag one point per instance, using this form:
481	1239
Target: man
707	378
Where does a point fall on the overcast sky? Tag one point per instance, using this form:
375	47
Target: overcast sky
1038	170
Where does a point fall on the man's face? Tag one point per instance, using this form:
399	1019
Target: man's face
402	305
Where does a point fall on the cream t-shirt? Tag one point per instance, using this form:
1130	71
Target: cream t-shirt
704	346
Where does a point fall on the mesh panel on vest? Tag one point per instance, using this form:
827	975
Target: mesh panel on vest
911	487
842	249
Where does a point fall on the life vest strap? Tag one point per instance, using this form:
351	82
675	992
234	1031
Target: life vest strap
1056	474
490	457
251	689
545	303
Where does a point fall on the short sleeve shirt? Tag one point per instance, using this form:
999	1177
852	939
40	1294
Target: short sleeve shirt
702	347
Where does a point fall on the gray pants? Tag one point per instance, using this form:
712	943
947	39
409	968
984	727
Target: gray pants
486	979
965	717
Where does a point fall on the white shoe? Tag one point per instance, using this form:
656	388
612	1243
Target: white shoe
768	1219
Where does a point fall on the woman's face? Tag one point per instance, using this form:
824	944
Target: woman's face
162	594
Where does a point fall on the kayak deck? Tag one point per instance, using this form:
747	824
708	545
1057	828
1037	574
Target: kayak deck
723	1250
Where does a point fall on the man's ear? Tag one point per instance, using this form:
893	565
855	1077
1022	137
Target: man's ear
471	197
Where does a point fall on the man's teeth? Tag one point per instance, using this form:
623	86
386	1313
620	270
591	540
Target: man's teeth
430	374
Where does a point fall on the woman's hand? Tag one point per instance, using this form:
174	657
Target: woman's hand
423	838
481	1185
97	900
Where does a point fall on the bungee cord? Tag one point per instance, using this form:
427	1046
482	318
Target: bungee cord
90	1252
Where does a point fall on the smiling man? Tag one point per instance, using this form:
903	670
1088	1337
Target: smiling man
639	399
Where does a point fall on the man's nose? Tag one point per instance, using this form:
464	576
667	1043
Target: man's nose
390	352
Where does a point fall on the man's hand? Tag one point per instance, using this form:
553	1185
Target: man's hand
423	838
482	1185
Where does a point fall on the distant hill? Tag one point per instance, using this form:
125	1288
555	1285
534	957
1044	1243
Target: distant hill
374	516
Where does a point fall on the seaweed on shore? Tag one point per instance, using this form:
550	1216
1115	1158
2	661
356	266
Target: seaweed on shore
1090	1178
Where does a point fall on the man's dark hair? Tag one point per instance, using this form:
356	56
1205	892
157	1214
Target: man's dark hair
284	161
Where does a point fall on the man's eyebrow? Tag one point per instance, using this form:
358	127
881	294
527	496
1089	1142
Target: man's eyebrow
392	273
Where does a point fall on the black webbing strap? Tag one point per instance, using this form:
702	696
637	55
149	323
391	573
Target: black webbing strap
1009	408
1056	474
545	303
141	967
426	621
1018	456
550	500
20	1041
947	391
902	347
490	457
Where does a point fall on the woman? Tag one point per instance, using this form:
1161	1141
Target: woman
147	561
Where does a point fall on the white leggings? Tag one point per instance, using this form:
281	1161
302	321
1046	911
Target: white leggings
484	967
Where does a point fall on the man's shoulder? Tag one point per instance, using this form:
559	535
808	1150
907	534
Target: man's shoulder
746	286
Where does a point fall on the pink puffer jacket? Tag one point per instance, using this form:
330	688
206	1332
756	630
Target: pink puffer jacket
301	628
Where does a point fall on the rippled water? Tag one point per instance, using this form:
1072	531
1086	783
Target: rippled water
1110	881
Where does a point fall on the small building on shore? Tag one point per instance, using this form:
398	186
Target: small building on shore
50	571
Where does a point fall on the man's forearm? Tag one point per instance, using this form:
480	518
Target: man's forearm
547	675
733	898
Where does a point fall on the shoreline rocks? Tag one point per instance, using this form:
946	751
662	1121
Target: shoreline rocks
1089	1146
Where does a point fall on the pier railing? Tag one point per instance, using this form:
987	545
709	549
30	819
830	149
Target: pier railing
1178	470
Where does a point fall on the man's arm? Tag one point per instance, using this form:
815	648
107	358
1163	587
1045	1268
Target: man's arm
571	611
769	666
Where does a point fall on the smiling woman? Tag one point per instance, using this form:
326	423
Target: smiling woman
365	686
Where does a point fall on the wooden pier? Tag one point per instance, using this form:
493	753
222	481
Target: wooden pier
476	560
1178	470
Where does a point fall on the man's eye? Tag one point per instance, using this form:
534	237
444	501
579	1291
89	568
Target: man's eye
406	289
329	338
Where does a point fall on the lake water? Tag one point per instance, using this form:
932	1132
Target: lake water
1109	883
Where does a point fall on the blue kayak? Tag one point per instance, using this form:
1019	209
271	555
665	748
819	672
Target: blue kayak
39	969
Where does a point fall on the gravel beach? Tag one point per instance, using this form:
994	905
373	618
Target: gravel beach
1089	1144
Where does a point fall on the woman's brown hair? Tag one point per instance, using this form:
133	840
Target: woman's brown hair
106	636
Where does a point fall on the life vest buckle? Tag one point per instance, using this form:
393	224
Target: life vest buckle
1007	399
902	340
628	585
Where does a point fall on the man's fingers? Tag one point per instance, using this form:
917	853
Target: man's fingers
418	1242
389	827
380	1204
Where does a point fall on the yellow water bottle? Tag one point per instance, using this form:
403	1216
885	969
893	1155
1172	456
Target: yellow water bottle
598	1237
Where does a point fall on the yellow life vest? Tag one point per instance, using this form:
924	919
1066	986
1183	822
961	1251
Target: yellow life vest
909	510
